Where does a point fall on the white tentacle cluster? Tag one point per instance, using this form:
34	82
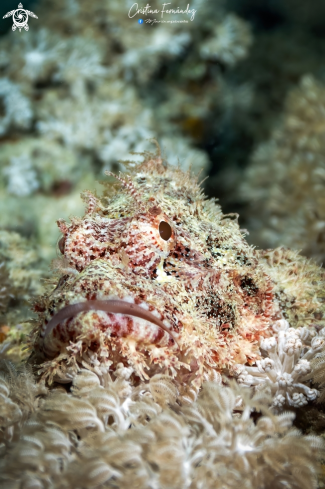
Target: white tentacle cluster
286	362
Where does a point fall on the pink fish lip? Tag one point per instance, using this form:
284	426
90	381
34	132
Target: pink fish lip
114	306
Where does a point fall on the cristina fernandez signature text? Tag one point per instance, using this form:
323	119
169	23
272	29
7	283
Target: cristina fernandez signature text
135	10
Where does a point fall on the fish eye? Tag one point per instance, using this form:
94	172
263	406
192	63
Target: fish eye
165	230
61	245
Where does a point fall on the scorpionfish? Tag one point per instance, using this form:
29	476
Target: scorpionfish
156	277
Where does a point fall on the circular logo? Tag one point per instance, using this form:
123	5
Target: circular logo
20	17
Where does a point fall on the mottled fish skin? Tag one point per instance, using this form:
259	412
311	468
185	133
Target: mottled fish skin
159	243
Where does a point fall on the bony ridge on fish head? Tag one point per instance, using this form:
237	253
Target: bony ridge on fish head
160	245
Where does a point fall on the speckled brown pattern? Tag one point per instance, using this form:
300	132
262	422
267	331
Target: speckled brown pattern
160	244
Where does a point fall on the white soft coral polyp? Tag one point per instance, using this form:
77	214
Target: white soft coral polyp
284	365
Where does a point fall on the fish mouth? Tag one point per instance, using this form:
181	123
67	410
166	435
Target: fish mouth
113	306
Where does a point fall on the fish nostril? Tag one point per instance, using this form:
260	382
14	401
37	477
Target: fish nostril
165	230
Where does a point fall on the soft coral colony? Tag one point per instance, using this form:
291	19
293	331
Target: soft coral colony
109	434
157	292
289	207
84	89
